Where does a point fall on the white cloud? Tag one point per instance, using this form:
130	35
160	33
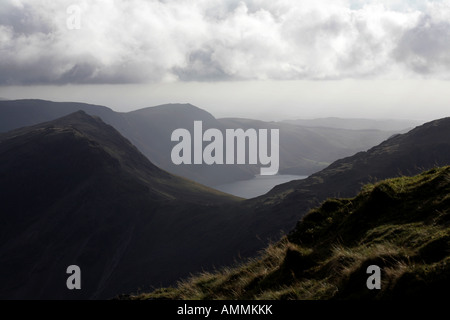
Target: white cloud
138	41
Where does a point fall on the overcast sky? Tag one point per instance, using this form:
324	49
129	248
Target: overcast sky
258	58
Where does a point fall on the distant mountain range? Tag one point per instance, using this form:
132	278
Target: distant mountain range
356	124
75	191
303	150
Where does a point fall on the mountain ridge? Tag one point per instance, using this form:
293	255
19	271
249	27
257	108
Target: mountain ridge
79	193
432	133
357	123
303	150
93	128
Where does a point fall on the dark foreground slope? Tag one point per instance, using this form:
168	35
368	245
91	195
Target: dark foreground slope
401	225
75	192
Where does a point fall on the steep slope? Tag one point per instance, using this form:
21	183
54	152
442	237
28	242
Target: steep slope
422	148
302	150
401	225
74	191
106	145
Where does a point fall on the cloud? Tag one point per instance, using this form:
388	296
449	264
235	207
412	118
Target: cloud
136	41
425	48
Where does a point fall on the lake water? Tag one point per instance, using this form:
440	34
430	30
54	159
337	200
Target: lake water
257	186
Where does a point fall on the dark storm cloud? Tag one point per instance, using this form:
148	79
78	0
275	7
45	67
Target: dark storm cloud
425	48
23	18
214	40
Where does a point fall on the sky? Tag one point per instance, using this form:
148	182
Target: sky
262	59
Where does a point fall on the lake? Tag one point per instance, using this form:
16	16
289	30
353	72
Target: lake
257	186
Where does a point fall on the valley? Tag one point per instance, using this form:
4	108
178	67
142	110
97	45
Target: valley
76	192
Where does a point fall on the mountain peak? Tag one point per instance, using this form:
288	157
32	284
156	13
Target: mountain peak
80	117
172	109
105	139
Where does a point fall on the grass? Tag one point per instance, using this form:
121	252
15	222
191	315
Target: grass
402	225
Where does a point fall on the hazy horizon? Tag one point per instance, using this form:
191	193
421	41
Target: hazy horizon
259	59
259	108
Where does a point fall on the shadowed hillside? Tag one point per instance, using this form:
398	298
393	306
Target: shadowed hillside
74	191
422	148
401	225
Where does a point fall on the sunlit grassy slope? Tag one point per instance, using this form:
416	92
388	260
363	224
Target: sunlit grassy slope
402	225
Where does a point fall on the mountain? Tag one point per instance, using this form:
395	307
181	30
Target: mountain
303	150
154	127
400	225
75	192
20	113
422	148
312	147
356	124
146	128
